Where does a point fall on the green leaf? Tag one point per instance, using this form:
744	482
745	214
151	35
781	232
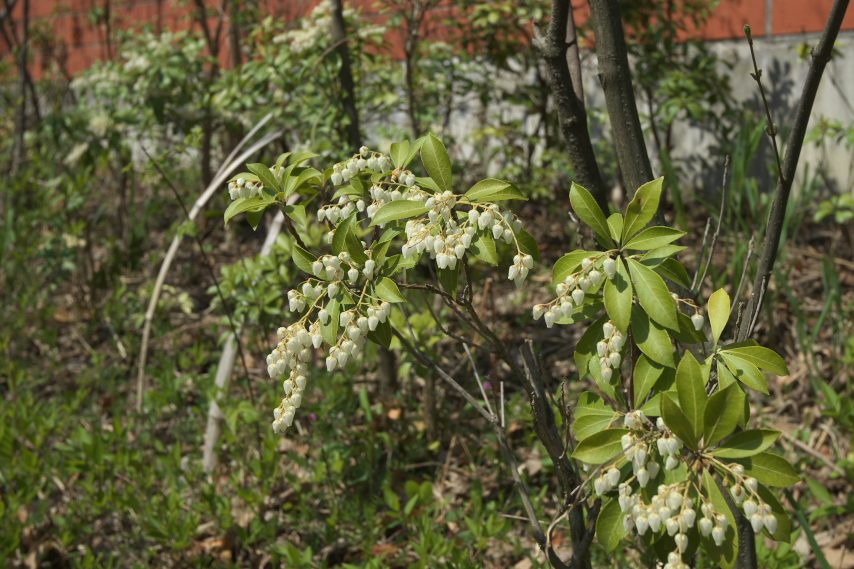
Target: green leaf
378	251
387	290
428	183
297	213
353	245
483	247
399	153
677	422
254	218
585	206
600	447
390	233
245	204
784	524
771	469
609	525
618	297
591	415
647	373
642	208
721	415
329	331
653	295
761	357
747	443
586	346
615	226
686	332
673	270
303	259
652	339
436	161
449	278
567	265
492	190
719	307
401	209
339	238
397	263
745	372
727	553
293	183
653	238
528	244
691	387
382	334
654	258
267	178
281	160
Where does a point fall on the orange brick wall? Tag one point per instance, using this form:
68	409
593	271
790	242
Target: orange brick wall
62	31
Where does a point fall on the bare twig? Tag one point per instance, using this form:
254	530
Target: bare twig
743	275
771	129
702	253
450	334
717	229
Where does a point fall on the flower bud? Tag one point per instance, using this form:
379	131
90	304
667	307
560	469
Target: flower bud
610	267
608	329
578	296
706	526
697	320
538	311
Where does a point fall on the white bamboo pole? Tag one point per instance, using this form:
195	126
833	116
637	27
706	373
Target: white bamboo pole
202	200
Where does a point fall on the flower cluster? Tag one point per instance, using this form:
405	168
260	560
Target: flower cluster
243	188
608	350
571	292
745	494
290	356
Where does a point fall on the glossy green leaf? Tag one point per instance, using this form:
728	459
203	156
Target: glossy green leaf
747	443
652	339
353	245
400	153
719	307
387	290
745	372
642	208
609	525
770	469
436	161
672	270
483	247
600	447
653	295
653	237
615	226
297	213
265	176
589	310
677	422
492	190
686	333
654	258
761	357
397	263
618	297
449	279
568	264
585	206
647	373
339	238
329	331
721	414
591	416
401	209
303	259
245	204
294	183
382	334
691	386
528	244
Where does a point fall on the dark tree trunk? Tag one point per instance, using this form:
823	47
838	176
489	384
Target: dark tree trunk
345	75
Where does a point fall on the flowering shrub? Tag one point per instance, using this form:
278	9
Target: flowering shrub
666	436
